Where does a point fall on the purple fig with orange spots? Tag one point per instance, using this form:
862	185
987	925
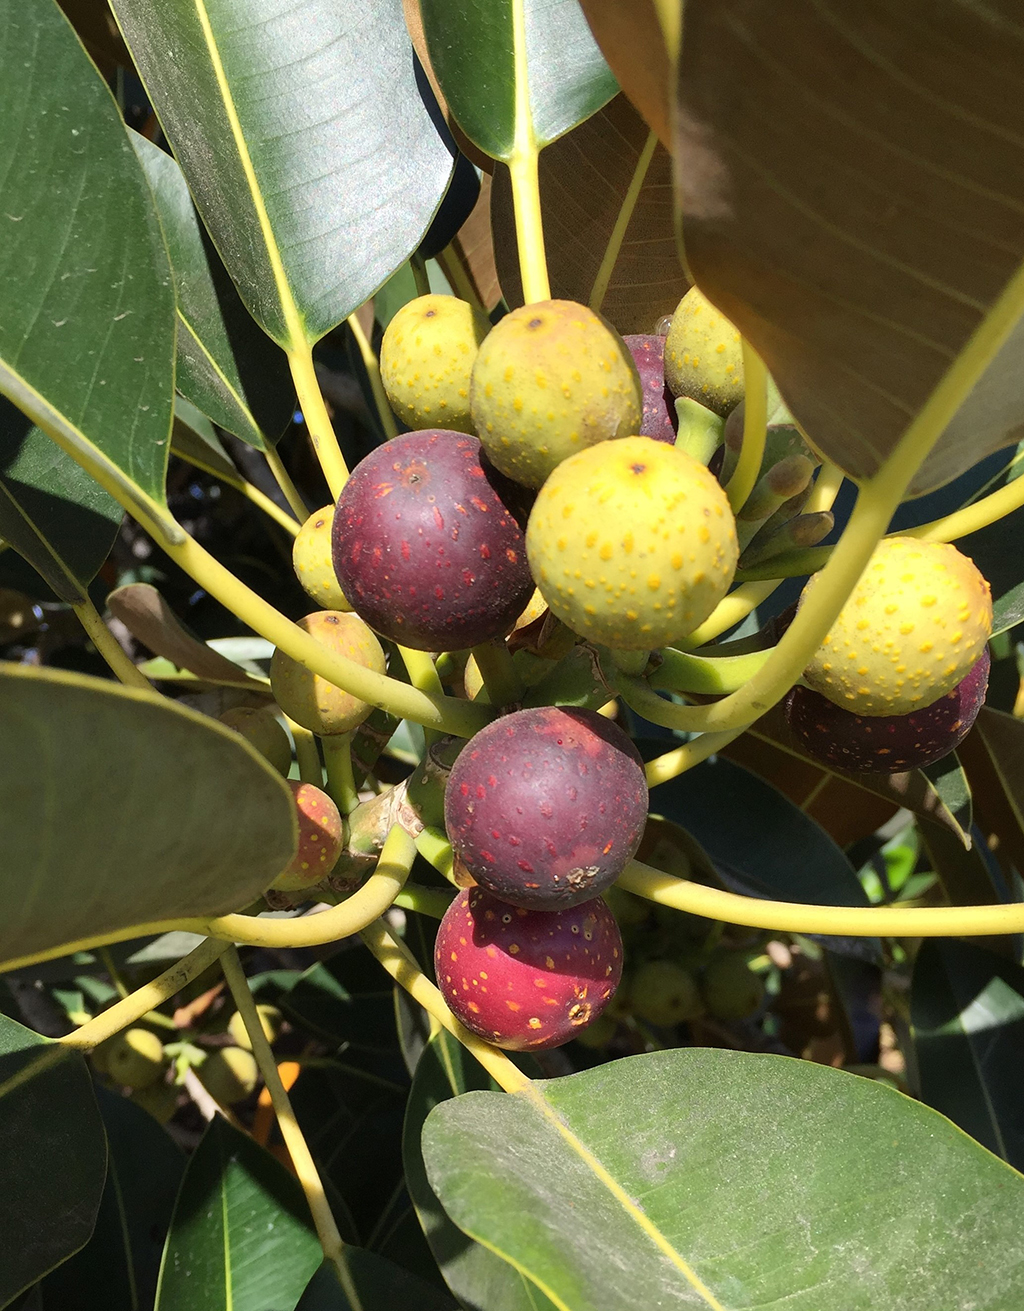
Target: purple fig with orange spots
321	836
526	979
660	420
545	807
425	546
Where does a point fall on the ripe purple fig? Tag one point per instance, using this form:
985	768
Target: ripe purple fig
526	979
648	352
887	744
545	807
425	546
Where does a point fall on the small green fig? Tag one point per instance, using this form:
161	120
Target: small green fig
229	1074
703	355
262	730
732	991
662	992
270	1021
159	1099
311	700
426	357
134	1058
313	563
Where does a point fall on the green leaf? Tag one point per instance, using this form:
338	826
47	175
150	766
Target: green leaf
584	180
473	54
304	141
379	1282
967	1012
51	511
120	808
86	304
241	1235
476	1275
846	178
54	1156
118	1267
225	366
722	1179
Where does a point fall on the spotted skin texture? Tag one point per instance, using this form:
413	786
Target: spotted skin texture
526	979
425	546
552	379
632	543
703	355
320	839
659	420
312	562
311	700
545	807
426	357
887	744
913	627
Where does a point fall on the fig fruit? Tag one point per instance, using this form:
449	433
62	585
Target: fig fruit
732	991
426	357
313	564
262	730
229	1074
703	355
659	409
321	837
663	993
270	1022
134	1058
311	700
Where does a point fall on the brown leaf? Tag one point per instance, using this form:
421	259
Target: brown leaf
474	248
630	37
851	181
584	178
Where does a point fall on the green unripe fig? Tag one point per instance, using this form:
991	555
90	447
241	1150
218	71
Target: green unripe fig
229	1074
311	700
912	629
732	991
321	837
426	357
159	1099
552	379
134	1058
270	1022
632	543
599	1034
313	564
703	356
662	992
628	909
263	730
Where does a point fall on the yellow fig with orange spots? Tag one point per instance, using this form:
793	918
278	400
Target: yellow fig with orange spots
703	355
911	630
632	543
426	357
551	379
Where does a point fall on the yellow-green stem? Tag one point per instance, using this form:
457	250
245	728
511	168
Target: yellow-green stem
458	279
108	647
263	502
425	901
423	675
522	167
288	488
673	763
307	757
755	429
618	233
705	676
341	783
501	678
294	1139
115	974
419	274
317	420
436	850
372	366
399	963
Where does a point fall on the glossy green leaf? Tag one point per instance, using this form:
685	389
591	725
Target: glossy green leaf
967	1013
51	511
304	140
54	1156
225	366
849	181
120	808
241	1236
723	1179
474	56
86	304
379	1284
118	1267
478	1276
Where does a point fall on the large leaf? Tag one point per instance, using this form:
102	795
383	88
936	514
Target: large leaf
119	808
477	1276
850	183
241	1235
86	305
633	41
693	1178
474	57
967	1012
225	365
304	140
53	1152
584	180
51	511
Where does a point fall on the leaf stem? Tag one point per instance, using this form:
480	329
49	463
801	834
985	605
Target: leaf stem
622	220
673	763
294	1139
288	488
318	421
260	499
108	647
458	279
523	171
755	429
372	366
419	274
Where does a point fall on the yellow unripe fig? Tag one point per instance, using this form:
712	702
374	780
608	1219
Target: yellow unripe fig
311	560
552	379
229	1074
159	1099
703	355
311	700
270	1021
913	627
134	1057
262	730
426	357
632	543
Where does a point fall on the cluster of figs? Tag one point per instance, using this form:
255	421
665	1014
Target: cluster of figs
550	469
